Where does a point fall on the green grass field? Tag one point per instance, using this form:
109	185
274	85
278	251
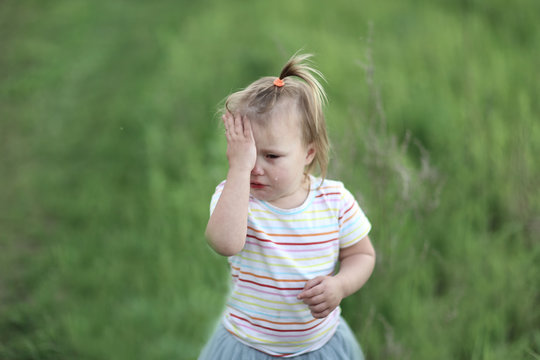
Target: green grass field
110	149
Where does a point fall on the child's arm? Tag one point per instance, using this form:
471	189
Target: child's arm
226	229
324	293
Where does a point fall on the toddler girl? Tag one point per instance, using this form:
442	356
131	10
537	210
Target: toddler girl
283	229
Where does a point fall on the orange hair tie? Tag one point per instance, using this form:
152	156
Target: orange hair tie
278	82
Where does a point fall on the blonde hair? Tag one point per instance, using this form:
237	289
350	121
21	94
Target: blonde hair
301	86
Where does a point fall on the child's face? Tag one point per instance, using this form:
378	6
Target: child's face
278	176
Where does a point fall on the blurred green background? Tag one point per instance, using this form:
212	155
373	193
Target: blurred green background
110	149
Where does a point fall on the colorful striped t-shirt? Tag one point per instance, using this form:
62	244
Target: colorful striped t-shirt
283	250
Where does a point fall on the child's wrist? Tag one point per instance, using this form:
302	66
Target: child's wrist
239	174
342	286
239	171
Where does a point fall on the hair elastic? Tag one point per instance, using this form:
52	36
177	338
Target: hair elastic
278	82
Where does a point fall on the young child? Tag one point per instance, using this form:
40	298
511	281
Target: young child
283	229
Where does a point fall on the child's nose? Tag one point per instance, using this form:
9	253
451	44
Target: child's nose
257	169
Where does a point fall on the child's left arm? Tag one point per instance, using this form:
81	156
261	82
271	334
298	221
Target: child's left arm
324	293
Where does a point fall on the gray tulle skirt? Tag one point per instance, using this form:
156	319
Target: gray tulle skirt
224	346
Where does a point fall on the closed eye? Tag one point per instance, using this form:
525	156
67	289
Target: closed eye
272	156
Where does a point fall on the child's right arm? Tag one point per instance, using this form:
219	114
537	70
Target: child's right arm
227	226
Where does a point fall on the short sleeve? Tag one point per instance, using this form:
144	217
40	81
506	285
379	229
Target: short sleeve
216	196
353	223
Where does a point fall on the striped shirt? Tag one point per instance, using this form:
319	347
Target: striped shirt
283	250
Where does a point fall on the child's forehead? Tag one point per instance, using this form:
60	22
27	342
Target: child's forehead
278	131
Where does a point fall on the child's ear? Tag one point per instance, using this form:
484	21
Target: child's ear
310	154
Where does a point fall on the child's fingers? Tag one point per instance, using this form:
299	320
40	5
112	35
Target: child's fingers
322	314
237	124
247	128
308	294
315	300
226	118
313	282
319	308
309	290
227	125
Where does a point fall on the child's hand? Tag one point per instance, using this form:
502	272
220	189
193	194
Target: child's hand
322	294
241	150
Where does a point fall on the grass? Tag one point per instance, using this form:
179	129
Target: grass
110	152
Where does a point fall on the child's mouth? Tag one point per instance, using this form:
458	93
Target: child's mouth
257	185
